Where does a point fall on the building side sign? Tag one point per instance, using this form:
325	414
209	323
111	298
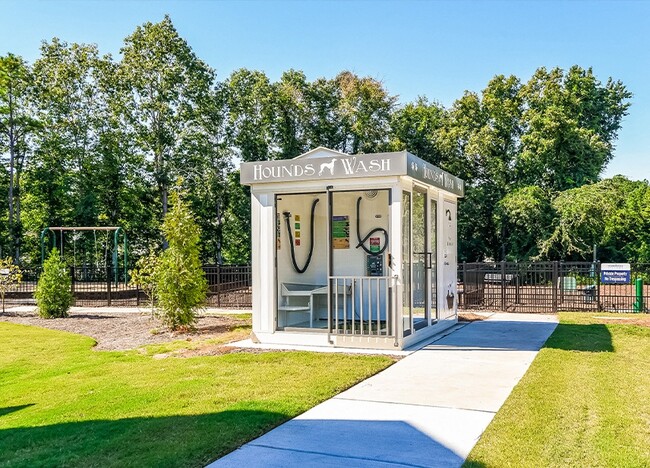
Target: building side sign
322	168
432	175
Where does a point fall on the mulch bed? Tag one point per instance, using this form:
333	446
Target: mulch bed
127	330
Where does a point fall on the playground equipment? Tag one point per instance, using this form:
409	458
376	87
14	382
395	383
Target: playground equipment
51	232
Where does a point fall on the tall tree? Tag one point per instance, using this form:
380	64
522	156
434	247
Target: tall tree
416	127
206	184
364	111
237	222
250	114
571	122
627	232
17	124
167	88
65	187
584	214
290	101
526	216
323	124
556	131
479	143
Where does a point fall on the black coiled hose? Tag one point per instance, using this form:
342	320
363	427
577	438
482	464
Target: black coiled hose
287	216
362	241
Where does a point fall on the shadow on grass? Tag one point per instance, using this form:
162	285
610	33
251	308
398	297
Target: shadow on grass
473	464
594	338
196	440
11	409
188	440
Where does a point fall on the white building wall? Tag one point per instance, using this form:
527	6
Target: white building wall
449	252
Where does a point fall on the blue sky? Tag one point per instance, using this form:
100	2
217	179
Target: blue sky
437	48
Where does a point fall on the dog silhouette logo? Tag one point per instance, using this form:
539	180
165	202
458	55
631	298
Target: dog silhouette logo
329	166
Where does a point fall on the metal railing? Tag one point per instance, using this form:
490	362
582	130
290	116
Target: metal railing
362	306
549	287
229	286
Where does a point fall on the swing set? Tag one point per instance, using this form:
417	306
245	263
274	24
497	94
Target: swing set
58	231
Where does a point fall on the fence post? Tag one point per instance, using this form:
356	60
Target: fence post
517	291
465	286
74	297
554	286
218	285
137	295
597	269
503	285
109	272
561	282
464	274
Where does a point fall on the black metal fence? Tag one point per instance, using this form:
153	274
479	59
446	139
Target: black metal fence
533	287
550	287
229	286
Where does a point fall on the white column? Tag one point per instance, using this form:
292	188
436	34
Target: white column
263	257
396	255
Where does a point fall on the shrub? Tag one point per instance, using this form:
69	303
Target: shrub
144	277
10	276
181	286
53	292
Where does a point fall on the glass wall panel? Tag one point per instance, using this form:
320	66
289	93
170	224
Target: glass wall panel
406	263
359	296
420	259
301	260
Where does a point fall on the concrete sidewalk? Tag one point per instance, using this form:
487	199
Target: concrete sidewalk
427	410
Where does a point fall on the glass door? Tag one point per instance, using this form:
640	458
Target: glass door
421	261
419	265
433	263
406	264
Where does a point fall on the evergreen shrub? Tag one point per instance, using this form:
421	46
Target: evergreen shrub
53	292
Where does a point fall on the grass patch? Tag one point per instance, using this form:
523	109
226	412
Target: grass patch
62	404
583	402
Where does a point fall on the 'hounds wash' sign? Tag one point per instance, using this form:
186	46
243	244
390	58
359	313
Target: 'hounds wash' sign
345	166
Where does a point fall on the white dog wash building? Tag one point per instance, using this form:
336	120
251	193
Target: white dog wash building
352	250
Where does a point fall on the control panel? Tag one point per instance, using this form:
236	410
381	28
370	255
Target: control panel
374	265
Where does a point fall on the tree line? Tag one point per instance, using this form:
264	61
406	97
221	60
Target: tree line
92	140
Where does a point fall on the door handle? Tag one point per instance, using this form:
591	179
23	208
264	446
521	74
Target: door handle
428	262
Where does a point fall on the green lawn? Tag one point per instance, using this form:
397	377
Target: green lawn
64	404
584	402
